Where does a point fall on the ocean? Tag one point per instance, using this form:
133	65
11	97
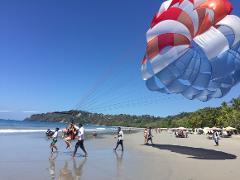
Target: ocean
13	127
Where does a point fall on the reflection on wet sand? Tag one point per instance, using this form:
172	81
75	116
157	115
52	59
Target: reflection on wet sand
65	173
51	168
78	169
119	160
73	172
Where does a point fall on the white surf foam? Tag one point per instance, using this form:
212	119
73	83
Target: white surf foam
8	131
94	129
102	129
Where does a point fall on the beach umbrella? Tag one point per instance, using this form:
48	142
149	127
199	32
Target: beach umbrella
216	129
229	128
181	128
206	129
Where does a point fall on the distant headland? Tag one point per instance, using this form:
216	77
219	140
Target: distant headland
228	114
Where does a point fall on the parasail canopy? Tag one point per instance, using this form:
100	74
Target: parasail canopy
193	49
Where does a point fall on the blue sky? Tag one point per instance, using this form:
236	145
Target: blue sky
60	54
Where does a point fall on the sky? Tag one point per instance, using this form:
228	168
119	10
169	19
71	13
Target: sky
81	54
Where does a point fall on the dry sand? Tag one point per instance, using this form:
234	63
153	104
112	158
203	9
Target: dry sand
194	158
27	156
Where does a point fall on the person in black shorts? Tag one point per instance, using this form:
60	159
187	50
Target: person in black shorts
120	139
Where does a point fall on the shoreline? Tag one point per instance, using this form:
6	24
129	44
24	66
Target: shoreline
193	158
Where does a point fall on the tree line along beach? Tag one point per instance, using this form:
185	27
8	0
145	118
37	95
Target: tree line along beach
228	114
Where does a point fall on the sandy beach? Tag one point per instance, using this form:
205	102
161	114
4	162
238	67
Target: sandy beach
27	156
99	72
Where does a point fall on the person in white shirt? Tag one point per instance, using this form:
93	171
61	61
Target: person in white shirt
54	140
120	139
80	141
216	137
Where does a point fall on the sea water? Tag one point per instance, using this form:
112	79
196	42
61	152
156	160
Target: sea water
12	127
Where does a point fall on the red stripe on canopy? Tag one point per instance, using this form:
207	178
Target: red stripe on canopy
174	14
157	44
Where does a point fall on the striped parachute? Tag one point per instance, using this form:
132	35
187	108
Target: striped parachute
193	49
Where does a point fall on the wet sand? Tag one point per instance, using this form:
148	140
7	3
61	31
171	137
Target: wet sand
27	156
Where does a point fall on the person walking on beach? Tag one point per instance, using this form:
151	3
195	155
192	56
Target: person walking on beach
80	142
145	134
120	139
216	137
54	140
150	136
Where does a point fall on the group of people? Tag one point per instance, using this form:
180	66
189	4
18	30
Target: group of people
148	135
74	132
181	133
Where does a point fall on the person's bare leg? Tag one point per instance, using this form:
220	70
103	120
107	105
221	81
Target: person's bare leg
68	142
54	147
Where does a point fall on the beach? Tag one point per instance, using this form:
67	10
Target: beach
98	75
27	156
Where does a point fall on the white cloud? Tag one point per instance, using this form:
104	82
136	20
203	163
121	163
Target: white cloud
29	112
5	111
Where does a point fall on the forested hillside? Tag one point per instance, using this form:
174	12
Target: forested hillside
226	115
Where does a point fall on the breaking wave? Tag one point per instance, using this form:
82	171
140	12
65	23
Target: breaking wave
11	131
8	131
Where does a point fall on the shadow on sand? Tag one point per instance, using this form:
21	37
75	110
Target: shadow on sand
196	153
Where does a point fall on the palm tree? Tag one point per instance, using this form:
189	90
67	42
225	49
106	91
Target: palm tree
236	103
